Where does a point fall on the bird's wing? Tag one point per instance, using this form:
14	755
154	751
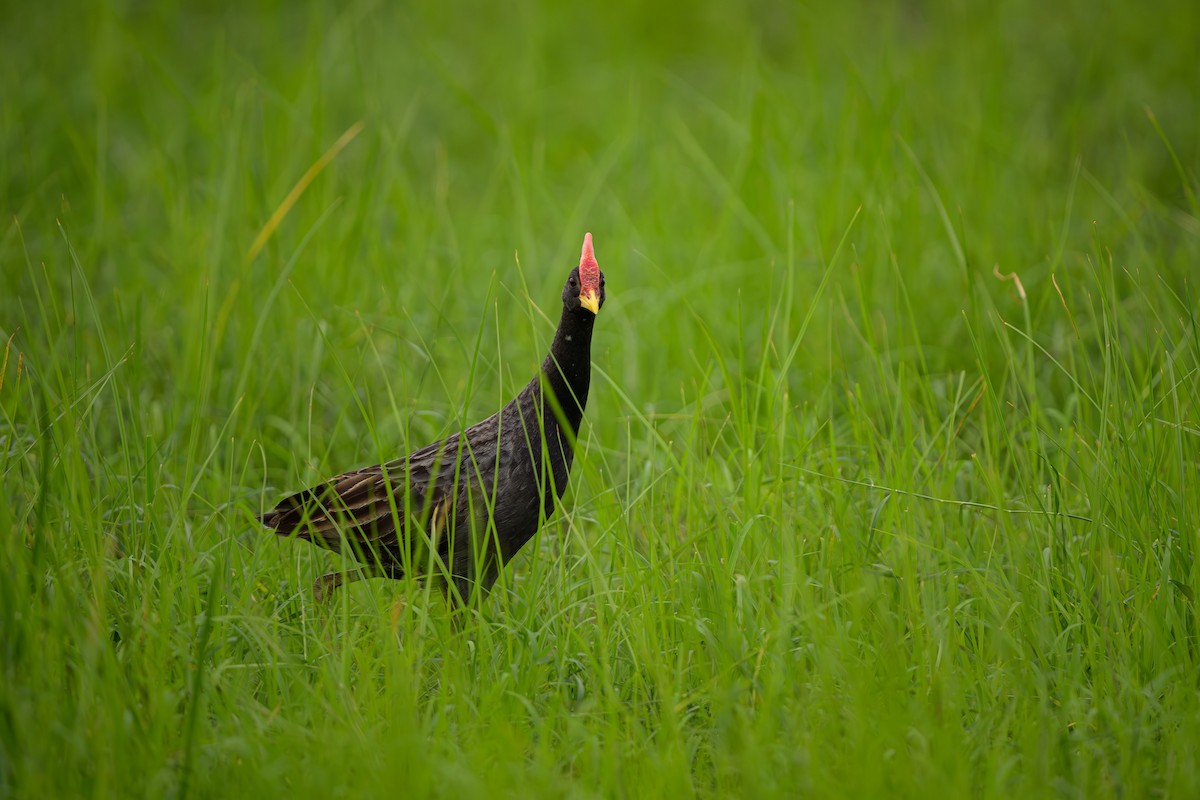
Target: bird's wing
353	500
370	505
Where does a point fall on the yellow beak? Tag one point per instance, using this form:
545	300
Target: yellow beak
591	301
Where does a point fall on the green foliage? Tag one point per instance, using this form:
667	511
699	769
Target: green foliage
888	481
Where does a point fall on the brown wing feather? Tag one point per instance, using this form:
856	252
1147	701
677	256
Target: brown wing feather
367	507
355	504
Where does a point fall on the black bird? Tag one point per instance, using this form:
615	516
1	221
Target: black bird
458	510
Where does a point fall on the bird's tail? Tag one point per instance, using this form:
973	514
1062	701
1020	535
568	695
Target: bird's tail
286	518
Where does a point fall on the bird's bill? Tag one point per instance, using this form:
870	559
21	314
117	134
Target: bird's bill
589	277
591	301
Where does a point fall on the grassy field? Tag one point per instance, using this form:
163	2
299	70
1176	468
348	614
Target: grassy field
888	482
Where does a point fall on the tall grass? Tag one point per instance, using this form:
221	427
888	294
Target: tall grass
887	483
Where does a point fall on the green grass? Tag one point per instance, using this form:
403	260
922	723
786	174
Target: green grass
853	515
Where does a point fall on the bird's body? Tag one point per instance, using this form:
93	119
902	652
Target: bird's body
458	510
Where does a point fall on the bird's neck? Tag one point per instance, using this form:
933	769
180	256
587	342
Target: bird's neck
567	370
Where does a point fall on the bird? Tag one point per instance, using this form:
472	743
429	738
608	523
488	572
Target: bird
458	510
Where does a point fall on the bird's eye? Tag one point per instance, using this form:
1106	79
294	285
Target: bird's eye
572	280
602	283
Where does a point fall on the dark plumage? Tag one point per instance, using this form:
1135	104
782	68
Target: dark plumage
458	510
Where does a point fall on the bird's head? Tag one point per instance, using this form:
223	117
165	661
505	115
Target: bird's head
585	286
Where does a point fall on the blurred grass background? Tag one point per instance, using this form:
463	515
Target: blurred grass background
888	476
